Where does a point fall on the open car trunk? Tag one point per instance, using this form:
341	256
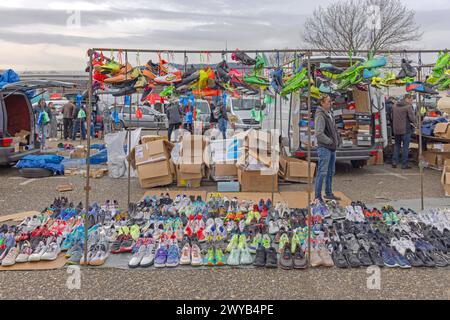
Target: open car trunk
18	115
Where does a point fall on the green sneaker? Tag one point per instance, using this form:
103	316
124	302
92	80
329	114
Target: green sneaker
283	240
294	243
255	243
233	243
266	242
242	242
250	217
209	258
220	257
394	218
135	232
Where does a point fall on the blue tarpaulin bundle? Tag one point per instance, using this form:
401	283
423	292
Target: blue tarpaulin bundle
9	76
49	162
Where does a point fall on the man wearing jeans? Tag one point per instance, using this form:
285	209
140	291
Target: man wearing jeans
402	120
328	140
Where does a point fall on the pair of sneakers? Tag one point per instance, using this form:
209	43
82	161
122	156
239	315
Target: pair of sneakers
143	253
320	256
239	251
214	257
295	260
167	254
191	255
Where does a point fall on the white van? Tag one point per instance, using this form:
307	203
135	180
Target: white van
241	109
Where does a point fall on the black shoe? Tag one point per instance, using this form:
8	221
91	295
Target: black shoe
271	258
332	197
394	166
260	258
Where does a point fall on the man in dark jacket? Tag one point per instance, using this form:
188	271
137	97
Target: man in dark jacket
68	119
402	120
174	115
328	140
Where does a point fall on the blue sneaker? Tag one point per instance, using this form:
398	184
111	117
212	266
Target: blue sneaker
402	262
173	256
160	257
389	258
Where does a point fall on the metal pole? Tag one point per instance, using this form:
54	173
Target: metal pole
129	134
87	188
419	107
309	157
274	129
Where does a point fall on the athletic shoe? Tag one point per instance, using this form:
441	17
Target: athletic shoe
209	259
266	241
286	261
137	256
38	252
315	259
101	253
25	252
300	261
10	258
283	240
149	256
260	258
242	242
185	255
220	258
52	251
161	257
255	243
389	257
196	256
233	243
234	257
271	258
325	256
173	256
76	255
245	258
273	227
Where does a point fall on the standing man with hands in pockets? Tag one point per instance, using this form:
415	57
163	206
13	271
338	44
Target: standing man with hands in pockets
328	140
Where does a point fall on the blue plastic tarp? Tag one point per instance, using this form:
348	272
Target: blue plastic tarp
9	76
99	158
49	162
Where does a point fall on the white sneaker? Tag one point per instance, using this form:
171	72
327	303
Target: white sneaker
196	256
10	258
186	255
25	252
52	252
245	258
149	256
38	252
137	257
273	227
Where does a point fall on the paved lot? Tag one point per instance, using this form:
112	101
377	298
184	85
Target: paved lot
370	184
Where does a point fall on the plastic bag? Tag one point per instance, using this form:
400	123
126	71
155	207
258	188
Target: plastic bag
116	154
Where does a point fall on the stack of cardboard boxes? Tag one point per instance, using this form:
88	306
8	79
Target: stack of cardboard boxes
221	158
257	168
152	160
190	169
438	152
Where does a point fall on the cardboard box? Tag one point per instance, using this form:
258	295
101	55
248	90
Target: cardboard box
295	170
22	135
256	181
224	170
190	168
436	160
156	182
192	183
78	153
442	130
192	146
155	174
445	180
154	151
150	138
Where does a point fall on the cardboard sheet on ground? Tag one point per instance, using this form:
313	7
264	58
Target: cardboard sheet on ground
174	193
41	265
299	199
17	217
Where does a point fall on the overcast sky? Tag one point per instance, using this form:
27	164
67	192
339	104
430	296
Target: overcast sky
44	35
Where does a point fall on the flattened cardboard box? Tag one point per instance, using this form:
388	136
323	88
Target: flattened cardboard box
255	181
151	138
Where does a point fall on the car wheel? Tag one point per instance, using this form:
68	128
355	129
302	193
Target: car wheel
118	126
32	173
357	164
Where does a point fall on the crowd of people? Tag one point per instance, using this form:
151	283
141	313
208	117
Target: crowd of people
179	116
74	121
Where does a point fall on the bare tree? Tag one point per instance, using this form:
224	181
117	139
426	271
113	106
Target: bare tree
361	25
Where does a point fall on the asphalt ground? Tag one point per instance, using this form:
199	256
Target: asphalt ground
375	184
